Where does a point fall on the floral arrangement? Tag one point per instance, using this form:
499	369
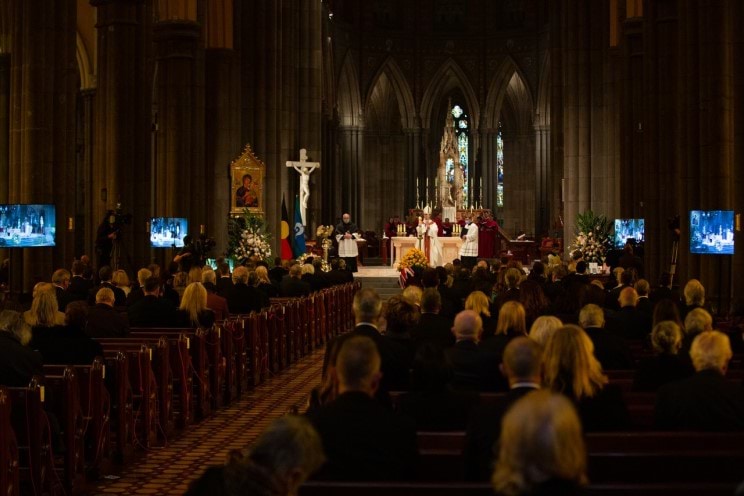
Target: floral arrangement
248	238
593	236
413	259
325	266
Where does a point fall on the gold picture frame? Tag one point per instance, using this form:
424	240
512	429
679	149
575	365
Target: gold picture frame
247	182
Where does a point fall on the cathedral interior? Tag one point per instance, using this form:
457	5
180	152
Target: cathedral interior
628	108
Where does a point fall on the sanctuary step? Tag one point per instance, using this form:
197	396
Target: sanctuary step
385	286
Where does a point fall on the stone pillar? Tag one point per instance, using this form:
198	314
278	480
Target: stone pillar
222	102
180	175
43	85
120	173
4	133
413	161
85	224
543	217
489	150
351	138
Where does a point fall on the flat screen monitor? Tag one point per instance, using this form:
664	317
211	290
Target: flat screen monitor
625	229
212	262
27	225
168	232
712	232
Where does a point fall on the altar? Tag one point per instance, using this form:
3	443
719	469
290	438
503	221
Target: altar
400	245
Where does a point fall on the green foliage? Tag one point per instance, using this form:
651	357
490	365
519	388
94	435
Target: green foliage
248	237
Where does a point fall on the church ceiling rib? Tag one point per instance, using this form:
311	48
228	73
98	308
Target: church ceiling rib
347	93
400	87
448	77
500	87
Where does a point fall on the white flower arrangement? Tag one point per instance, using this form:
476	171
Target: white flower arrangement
248	238
593	238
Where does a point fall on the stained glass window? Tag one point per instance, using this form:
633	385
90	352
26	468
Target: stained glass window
462	131
499	168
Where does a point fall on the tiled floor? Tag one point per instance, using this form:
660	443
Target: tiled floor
169	470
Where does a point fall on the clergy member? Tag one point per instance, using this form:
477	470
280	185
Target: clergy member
428	230
346	235
469	248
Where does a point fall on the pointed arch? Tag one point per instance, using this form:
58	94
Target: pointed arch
509	80
347	93
85	66
402	89
448	77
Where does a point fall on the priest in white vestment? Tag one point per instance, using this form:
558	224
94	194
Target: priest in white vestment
428	231
346	235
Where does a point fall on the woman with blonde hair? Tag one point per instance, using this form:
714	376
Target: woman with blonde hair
570	368
193	311
478	302
121	281
541	449
44	310
263	283
195	274
510	324
544	327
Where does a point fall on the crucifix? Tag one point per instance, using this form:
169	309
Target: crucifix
304	168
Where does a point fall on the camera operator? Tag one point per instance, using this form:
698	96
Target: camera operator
105	236
193	252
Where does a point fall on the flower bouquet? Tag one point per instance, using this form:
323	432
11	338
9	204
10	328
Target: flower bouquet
248	238
593	236
411	266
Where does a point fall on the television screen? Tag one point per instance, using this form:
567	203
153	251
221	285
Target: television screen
212	262
27	226
168	232
626	229
712	232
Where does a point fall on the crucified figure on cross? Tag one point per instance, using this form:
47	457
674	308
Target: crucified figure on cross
304	168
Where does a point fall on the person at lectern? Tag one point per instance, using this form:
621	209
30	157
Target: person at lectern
346	235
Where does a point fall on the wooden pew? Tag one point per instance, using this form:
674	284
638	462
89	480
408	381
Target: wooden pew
230	390
117	384
95	405
143	387
200	352
31	428
63	400
9	471
235	325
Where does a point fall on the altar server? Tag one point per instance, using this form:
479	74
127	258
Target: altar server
469	248
346	235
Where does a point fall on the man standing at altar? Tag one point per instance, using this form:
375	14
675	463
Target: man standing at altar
469	248
488	229
346	235
428	231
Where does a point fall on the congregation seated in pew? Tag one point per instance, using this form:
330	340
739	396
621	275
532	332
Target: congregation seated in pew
104	321
152	310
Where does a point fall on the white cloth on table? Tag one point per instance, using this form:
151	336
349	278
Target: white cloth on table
469	246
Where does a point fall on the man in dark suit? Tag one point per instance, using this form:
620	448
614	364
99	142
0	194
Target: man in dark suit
705	401
277	273
244	298
61	281
665	290
521	366
294	286
106	274
474	369
79	285
611	350
224	282
103	320
363	440
136	294
432	327
626	281
338	275
152	310
367	307
631	261
628	322
644	304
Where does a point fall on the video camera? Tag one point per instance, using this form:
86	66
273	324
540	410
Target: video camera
117	218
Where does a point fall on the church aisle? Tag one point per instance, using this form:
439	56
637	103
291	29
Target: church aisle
168	471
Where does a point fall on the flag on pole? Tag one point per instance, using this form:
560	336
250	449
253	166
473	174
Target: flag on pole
299	230
285	246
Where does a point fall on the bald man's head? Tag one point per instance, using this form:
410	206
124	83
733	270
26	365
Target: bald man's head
628	297
468	326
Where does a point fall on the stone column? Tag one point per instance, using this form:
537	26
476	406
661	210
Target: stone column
4	133
120	166
545	207
43	84
351	138
180	175
413	160
222	102
85	224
